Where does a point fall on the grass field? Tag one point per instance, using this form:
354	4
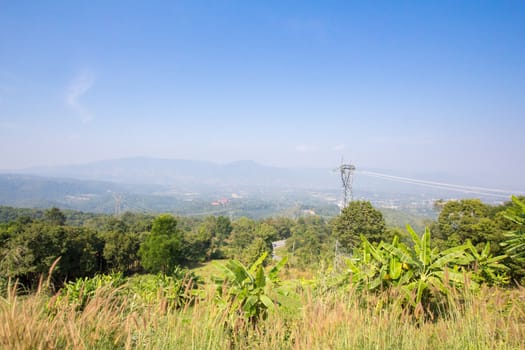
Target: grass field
113	318
208	270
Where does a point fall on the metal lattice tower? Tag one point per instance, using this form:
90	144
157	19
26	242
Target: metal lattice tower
118	203
347	177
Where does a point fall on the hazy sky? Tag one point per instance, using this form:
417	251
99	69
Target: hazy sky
420	86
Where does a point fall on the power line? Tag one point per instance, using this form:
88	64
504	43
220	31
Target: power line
443	185
136	207
118	203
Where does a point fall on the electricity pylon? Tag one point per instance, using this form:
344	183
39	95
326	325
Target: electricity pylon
347	177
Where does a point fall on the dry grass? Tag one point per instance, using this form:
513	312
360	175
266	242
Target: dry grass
491	319
35	322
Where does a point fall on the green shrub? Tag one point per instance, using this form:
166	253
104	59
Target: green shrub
423	276
250	293
79	292
176	291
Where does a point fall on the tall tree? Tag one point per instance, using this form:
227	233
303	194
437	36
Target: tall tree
249	239
223	227
467	219
358	218
29	253
55	217
310	241
120	250
161	249
242	236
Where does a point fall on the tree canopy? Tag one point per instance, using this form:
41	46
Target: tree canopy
161	249
358	218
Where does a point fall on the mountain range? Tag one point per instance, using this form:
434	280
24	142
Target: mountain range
152	184
190	173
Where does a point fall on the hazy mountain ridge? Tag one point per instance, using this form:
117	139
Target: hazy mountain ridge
29	191
206	175
179	172
41	192
189	187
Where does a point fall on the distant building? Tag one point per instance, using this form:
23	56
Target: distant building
222	201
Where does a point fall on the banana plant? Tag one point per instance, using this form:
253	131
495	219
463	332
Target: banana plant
247	291
373	267
82	290
515	243
487	268
428	272
366	266
420	272
178	290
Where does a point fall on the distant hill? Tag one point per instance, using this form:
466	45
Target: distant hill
40	192
29	191
190	187
225	198
190	173
202	176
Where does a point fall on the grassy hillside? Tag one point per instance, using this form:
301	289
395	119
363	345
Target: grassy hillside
114	318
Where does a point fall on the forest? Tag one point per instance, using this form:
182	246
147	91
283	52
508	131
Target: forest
166	281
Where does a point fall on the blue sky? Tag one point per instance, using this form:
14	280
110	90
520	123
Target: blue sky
412	86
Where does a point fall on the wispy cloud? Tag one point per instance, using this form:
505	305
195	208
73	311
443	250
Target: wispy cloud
78	87
338	148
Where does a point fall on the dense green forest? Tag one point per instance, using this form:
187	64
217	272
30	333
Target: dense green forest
89	244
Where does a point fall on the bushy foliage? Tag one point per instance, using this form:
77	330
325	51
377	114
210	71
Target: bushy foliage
249	292
54	216
424	275
161	249
177	290
29	250
249	239
486	267
390	294
310	242
358	218
121	250
514	243
33	239
81	291
467	219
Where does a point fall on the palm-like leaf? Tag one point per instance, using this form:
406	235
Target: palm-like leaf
419	271
515	244
248	292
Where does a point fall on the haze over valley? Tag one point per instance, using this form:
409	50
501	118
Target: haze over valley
243	188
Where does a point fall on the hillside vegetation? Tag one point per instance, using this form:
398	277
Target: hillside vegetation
71	280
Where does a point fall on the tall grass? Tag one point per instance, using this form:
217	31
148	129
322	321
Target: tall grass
112	319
